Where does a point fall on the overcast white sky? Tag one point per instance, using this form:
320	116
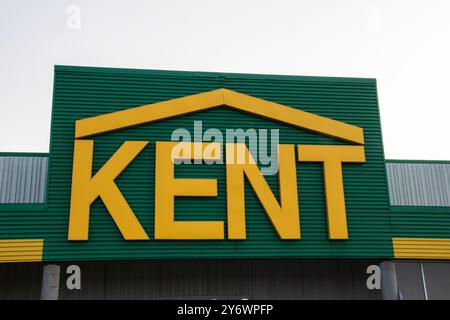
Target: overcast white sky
405	44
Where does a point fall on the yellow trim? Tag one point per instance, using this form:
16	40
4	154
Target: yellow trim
421	248
177	107
21	250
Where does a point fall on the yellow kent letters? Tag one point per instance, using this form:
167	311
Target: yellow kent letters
85	189
283	213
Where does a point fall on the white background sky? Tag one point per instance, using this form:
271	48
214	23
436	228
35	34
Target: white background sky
404	44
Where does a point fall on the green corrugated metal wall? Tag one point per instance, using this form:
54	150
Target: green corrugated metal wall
420	222
84	92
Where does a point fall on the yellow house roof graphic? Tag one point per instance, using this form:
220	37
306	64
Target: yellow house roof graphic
216	98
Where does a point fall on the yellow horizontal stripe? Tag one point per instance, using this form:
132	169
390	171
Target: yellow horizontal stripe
21	250
421	248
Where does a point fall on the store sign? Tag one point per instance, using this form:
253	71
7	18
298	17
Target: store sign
148	164
239	163
191	173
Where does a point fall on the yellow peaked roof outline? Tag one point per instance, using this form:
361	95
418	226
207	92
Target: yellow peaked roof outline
216	98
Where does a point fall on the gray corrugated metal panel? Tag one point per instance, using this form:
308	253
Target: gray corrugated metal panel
437	278
409	280
419	184
23	179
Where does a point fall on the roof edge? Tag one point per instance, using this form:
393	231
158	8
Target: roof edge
417	161
24	154
161	72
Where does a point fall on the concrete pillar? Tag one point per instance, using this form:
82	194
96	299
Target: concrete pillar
50	282
389	288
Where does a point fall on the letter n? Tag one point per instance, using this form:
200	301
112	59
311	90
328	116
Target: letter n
284	215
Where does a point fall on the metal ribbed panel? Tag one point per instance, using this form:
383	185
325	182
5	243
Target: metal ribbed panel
23	179
84	92
21	250
419	184
20	281
222	279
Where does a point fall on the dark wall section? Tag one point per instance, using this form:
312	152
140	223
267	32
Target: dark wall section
20	281
223	279
199	279
228	279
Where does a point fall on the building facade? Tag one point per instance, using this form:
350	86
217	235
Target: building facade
185	185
